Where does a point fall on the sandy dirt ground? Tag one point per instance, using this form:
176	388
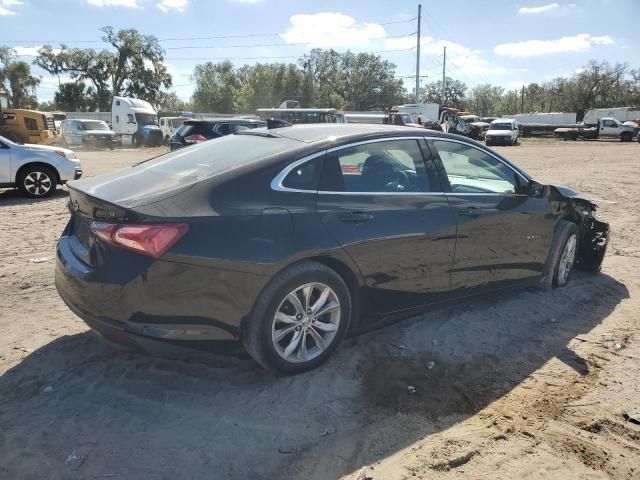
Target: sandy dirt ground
523	385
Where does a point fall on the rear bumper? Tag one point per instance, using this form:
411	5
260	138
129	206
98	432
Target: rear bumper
154	306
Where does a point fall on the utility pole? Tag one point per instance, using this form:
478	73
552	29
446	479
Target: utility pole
522	100
444	76
418	56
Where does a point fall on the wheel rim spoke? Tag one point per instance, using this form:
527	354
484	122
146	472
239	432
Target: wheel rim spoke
306	293
295	301
325	327
280	334
284	318
302	352
318	339
322	299
328	308
293	343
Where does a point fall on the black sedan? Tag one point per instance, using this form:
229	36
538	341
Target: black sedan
194	131
283	241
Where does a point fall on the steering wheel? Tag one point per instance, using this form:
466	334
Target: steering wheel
399	182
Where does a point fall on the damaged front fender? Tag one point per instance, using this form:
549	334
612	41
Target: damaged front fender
594	233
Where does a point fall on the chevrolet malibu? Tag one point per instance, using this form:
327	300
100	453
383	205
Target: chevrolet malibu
283	241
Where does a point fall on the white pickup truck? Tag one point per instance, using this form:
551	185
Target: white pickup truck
606	128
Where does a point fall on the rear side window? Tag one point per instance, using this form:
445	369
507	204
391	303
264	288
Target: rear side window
395	166
30	123
206	159
305	176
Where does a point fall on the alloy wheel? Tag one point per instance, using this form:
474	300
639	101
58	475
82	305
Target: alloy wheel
37	183
567	259
306	322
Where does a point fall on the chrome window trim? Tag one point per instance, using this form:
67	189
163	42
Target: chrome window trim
276	183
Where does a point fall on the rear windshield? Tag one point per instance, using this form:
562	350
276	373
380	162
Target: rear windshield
194	128
213	157
94	126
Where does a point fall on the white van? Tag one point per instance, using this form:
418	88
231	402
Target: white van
503	131
135	122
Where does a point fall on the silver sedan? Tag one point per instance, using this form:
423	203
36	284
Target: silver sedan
36	169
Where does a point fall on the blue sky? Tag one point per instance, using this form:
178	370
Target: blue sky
501	42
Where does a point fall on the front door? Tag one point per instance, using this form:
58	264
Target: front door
504	233
609	128
383	203
5	163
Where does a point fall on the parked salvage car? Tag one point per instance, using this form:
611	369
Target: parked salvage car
503	131
286	240
88	133
198	131
36	169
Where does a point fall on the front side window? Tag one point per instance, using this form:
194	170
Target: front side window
470	170
131	118
395	166
222	129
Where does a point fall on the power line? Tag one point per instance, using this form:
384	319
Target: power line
175	39
174	59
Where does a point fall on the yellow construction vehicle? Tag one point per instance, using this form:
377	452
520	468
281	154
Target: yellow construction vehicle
26	126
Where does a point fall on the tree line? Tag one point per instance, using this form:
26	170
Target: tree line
133	65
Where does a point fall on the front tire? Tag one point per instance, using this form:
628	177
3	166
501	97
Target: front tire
37	181
562	256
299	319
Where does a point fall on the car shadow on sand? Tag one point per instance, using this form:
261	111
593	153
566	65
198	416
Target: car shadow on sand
14	196
78	409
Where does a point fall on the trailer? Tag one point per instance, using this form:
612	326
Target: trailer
551	118
426	112
622	114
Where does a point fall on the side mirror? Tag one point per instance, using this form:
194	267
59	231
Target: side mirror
535	189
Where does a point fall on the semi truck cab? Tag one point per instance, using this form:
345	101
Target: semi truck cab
135	122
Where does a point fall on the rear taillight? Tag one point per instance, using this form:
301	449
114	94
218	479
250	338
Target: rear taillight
150	240
197	138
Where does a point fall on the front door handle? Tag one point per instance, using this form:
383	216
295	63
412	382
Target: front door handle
356	217
470	212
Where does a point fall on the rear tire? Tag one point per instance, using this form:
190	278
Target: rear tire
284	337
561	259
626	138
37	181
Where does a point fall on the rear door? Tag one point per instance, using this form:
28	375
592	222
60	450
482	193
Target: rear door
382	202
503	232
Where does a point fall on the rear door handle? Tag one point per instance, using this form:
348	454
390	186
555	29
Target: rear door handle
356	217
470	212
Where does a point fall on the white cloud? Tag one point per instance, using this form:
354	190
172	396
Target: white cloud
459	58
4	4
536	10
31	51
531	48
166	5
331	29
115	3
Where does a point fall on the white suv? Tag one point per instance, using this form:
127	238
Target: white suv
36	169
503	131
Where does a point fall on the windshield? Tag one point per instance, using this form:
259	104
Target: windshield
146	119
501	126
407	118
94	126
6	141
